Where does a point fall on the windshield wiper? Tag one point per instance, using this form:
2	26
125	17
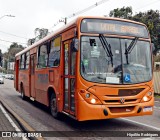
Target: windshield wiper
129	49
107	47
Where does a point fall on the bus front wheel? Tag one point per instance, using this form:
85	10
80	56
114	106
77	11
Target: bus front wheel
53	106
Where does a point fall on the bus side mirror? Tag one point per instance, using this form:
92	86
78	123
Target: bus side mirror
152	47
74	45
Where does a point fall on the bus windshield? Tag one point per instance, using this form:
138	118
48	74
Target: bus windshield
113	67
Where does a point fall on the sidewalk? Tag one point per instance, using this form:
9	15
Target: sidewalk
6	126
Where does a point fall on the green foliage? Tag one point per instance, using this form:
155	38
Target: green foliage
157	96
156	58
150	18
12	51
39	34
122	12
30	41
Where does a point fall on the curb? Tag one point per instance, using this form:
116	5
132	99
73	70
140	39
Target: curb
23	124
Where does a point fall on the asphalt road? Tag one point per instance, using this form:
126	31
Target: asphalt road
38	117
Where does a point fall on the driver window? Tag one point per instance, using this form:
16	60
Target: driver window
43	56
54	55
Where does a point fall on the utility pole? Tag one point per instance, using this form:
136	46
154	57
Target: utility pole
63	20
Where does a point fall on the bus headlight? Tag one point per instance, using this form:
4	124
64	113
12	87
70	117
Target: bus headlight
147	97
90	98
93	101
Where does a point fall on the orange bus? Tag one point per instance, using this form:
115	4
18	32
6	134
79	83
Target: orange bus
92	68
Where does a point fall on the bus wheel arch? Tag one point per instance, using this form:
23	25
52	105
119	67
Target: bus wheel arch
53	103
22	92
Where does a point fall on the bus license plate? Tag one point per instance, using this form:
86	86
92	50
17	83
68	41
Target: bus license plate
147	109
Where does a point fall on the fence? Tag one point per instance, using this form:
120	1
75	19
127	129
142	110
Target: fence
156	76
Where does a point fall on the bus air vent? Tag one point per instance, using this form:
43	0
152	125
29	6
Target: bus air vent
118	101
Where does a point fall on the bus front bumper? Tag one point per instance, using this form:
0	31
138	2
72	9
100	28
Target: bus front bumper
86	111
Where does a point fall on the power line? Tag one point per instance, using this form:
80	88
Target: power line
147	4
79	12
13	35
88	8
12	41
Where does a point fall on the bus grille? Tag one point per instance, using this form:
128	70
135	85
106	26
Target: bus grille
118	101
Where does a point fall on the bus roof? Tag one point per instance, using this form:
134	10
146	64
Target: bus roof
69	25
48	37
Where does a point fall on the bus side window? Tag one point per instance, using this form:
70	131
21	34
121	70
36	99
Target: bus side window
42	56
54	55
22	62
27	60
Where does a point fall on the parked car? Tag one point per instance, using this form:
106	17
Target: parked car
9	76
3	75
1	79
6	76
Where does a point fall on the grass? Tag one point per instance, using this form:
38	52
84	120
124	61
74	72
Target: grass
157	96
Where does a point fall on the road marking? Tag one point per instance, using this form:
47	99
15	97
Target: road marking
11	121
153	127
146	139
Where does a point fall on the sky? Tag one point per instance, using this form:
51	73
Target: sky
31	14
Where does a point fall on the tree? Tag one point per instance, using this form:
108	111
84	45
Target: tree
10	55
151	19
13	50
39	34
122	12
30	41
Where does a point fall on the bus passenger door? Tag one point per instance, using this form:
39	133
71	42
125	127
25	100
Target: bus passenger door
32	75
69	78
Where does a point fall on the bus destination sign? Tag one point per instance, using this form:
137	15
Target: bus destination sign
113	27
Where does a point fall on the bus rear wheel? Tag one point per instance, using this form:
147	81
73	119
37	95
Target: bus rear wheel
53	106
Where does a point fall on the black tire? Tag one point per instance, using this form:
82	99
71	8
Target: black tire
22	93
53	106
